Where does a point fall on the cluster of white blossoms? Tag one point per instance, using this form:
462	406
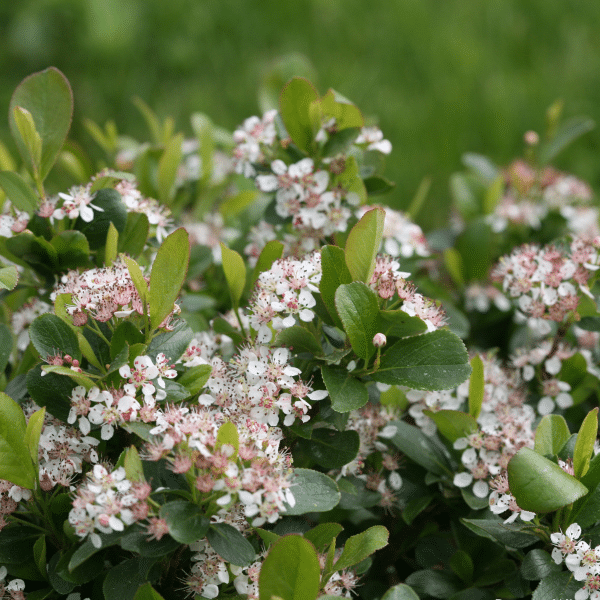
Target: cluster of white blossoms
12	220
12	589
10	496
210	232
401	237
284	293
580	558
480	297
251	139
546	282
103	503
22	318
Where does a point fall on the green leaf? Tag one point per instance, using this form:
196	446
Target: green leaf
540	485
167	275
113	211
333	449
420	448
462	565
33	432
111	250
47	96
167	169
558	586
476	386
72	249
290	571
203	129
195	378
19	192
186	520
334	105
358	309
377	186
363	244
35	251
298	339
453	424
346	392
137	277
52	391
400	592
123	581
272	251
147	592
9	276
294	108
568	132
497	531
322	535
235	204
133	465
133	238
50	334
350	180
454	265
228	434
16	465
230	544
396	323
334	273
537	565
39	555
171	343
235	273
313	492
268	537
359	546
151	119
6	346
79	378
436	584
415	507
584	446
432	361
30	137
551	434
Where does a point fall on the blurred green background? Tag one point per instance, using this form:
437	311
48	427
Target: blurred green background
442	77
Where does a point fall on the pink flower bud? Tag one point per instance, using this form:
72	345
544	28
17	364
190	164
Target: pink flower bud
379	340
531	138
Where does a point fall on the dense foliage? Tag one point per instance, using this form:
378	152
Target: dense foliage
227	372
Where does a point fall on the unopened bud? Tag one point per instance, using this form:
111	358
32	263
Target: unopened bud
531	138
379	340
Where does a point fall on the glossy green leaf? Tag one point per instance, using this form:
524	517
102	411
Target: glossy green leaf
290	571
334	273
313	492
358	309
420	448
558	586
112	241
171	343
35	251
9	276
584	446
540	485
167	169
514	536
462	565
298	339
334	106
133	465
123	581
363	244
400	591
29	136
294	108
16	465
568	132
167	275
47	96
137	277
322	535
436	584
228	434
432	361
186	520
33	432
135	235
415	507
453	424
538	564
72	249
147	592
52	391
113	211
346	392
76	376
230	544
50	334
268	537
476	386
195	378
333	449
235	273
397	323
19	192
359	546
551	434
272	251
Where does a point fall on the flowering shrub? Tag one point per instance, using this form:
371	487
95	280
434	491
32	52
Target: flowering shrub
251	404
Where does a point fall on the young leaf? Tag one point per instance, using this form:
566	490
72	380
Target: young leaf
47	96
137	277
363	244
432	361
584	446
229	543
228	434
133	465
358	309
313	492
9	276
30	137
147	592
168	274
453	424
195	378
359	546
294	108
19	192
400	592
167	169
568	132
540	485
290	571
235	273
16	465
334	273
346	392
322	535
186	521
33	432
476	386
551	434
112	242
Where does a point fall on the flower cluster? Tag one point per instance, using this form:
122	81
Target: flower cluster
251	139
12	589
580	558
10	496
23	317
77	203
210	232
546	281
